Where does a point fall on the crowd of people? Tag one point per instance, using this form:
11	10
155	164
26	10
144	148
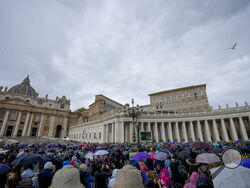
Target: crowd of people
110	165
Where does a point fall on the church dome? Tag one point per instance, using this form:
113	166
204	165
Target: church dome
23	89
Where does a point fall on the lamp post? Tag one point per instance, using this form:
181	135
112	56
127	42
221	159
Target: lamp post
133	112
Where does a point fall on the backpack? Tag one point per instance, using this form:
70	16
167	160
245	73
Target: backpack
204	181
26	183
182	171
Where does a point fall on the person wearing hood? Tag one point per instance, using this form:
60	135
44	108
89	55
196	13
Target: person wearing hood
28	179
193	181
136	164
164	176
191	164
85	177
46	175
112	180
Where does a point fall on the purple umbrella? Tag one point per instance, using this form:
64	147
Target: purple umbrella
199	145
161	156
4	168
140	156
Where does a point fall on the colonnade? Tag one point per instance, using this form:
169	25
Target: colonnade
171	130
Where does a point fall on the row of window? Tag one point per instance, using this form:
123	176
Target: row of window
13	116
176	104
85	136
177	96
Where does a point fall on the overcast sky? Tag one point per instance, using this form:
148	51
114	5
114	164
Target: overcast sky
126	49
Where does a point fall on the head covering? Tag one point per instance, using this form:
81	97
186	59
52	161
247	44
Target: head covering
48	165
193	181
66	163
114	173
136	164
66	177
28	173
83	167
128	176
164	176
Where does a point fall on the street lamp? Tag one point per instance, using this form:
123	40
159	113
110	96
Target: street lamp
133	112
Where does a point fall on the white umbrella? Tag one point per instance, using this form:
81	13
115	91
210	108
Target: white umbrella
89	155
207	158
4	151
231	178
101	152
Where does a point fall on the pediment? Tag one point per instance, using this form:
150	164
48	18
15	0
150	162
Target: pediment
16	100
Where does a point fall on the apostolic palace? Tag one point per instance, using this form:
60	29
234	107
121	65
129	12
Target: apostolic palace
181	114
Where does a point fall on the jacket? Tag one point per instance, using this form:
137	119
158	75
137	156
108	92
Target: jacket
45	178
86	179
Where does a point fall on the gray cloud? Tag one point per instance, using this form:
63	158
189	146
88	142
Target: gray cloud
126	49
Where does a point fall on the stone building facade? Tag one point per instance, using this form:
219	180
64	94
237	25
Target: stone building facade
170	123
23	113
181	100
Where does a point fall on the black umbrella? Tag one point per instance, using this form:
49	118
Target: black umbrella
183	155
27	159
216	151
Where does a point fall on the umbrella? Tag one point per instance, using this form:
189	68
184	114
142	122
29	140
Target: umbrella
51	149
207	158
231	178
89	155
199	145
59	150
4	151
4	168
152	155
183	155
161	156
101	152
216	144
140	156
27	159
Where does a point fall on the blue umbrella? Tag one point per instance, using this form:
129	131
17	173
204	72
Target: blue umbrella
51	149
4	168
140	156
161	156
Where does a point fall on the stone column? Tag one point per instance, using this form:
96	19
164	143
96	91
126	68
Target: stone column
243	131
208	134
26	124
117	131
17	124
177	133
107	133
41	126
142	126
30	124
131	130
156	132
65	126
184	131
191	130
163	133
112	132
199	130
215	130
233	130
52	125
103	134
224	131
122	132
170	135
4	123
